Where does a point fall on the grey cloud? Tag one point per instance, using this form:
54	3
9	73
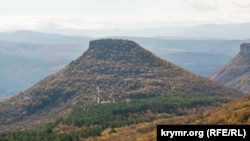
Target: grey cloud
203	5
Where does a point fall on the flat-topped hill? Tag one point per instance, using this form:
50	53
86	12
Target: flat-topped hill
111	70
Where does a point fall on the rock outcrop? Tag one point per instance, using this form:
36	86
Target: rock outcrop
236	72
245	49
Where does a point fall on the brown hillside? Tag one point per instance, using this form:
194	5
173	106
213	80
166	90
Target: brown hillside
110	70
235	112
236	73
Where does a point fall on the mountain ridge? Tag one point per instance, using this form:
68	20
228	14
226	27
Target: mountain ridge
42	37
111	70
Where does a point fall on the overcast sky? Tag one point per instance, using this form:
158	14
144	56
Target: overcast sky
119	14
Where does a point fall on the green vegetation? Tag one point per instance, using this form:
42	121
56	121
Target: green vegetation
120	114
44	135
92	120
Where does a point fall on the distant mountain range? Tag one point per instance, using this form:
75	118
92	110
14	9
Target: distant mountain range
109	71
218	31
232	31
198	56
24	64
28	36
236	72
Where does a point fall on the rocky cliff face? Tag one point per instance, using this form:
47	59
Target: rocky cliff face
236	73
245	49
111	70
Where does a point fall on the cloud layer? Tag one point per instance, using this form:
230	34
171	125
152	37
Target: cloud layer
113	14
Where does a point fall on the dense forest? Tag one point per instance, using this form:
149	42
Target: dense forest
92	120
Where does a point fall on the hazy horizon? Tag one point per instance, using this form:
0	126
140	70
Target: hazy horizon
51	15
